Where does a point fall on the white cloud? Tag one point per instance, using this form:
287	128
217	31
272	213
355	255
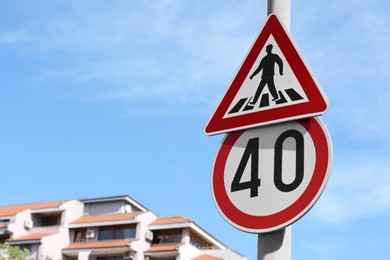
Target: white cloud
358	188
166	51
173	51
346	46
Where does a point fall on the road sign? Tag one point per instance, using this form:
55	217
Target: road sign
274	84
268	177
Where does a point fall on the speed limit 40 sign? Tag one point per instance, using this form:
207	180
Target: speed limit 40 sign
266	178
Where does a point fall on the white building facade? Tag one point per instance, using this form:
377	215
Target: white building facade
110	228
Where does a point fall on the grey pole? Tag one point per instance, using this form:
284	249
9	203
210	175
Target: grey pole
276	245
282	8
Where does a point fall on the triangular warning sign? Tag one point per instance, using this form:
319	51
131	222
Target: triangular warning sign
273	84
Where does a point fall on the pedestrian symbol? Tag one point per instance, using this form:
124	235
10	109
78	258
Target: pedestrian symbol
273	84
270	84
267	64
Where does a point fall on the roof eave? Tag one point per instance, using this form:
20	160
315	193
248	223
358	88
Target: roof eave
23	242
115	198
192	226
104	223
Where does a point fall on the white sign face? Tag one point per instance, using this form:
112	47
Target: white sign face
268	177
263	92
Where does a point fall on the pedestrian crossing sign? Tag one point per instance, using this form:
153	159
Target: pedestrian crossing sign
274	84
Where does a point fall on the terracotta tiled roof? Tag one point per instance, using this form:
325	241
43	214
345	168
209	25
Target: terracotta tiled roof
105	218
162	248
98	244
170	220
29	237
14	209
206	257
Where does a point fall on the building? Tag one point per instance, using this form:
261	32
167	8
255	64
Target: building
110	228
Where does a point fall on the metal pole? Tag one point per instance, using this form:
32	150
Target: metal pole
276	245
282	8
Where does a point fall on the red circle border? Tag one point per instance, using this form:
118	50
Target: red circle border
251	223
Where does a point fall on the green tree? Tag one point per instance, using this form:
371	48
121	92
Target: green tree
8	252
46	258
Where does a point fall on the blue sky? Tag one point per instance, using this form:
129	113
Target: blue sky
103	98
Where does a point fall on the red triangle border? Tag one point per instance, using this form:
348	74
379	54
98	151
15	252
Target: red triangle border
317	104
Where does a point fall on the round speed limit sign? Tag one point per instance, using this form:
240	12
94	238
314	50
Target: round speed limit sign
268	177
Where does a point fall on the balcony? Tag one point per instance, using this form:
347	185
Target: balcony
4	232
98	248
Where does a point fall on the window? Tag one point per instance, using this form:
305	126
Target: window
26	246
167	236
198	242
106	234
79	235
110	258
117	232
46	219
49	221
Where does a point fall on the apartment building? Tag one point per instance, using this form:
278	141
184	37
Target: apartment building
109	228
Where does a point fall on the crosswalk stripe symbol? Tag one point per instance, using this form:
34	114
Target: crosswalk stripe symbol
291	93
273	84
